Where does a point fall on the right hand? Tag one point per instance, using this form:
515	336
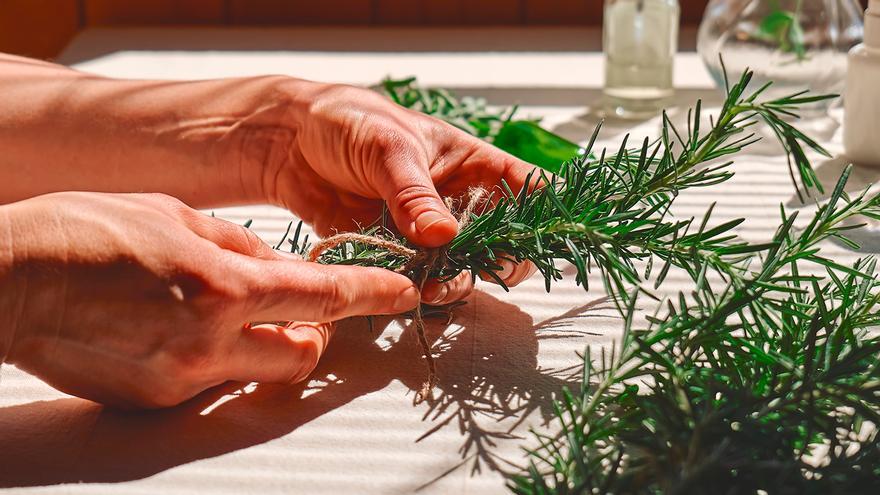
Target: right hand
138	300
340	144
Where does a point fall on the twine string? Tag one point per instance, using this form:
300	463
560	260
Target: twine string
340	239
420	264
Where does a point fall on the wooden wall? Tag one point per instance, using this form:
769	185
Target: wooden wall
358	12
41	28
38	28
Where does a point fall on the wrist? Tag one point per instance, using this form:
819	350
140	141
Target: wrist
183	138
11	297
265	139
33	274
74	131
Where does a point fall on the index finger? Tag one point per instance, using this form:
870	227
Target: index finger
484	165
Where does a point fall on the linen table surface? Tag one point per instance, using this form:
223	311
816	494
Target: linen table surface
353	428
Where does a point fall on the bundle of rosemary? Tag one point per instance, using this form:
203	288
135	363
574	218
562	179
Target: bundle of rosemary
741	385
604	213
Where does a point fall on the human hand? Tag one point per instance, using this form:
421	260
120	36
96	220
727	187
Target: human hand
349	150
137	300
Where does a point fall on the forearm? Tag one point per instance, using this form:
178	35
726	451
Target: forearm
65	130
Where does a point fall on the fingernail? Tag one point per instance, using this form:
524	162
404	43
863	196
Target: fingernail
442	291
507	268
407	300
428	219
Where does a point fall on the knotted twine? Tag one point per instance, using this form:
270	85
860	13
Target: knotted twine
420	263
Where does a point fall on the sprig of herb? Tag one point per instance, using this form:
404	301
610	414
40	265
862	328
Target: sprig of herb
523	138
771	384
610	212
469	114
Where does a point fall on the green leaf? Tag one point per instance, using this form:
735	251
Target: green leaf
783	28
530	142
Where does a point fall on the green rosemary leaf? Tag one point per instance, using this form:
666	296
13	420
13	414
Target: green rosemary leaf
286	233
524	139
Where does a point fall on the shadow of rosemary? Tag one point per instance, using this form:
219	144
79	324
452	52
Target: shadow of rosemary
490	383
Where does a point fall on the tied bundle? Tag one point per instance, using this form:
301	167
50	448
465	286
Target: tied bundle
602	211
419	264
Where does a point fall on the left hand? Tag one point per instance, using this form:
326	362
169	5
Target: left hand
348	150
138	300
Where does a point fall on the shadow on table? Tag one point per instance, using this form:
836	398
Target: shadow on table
502	384
829	172
488	374
581	127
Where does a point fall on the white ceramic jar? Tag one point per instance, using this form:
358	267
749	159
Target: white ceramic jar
861	133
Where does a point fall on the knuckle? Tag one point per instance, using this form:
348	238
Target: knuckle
237	236
252	242
167	201
415	196
212	294
174	208
326	105
309	355
189	360
209	288
191	286
334	297
389	141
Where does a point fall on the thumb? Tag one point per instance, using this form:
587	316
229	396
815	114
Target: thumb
415	206
299	290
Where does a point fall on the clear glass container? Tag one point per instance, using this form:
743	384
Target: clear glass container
797	44
640	38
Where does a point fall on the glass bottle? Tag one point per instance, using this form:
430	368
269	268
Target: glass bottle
797	44
640	38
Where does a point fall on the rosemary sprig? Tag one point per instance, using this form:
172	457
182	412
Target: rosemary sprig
469	114
747	387
610	212
772	384
523	138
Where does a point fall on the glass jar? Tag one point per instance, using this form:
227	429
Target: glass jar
797	44
640	38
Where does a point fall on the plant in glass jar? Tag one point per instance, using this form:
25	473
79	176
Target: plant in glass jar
795	43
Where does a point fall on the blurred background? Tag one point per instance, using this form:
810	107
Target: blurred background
42	28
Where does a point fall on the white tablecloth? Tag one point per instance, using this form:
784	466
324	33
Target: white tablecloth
353	428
